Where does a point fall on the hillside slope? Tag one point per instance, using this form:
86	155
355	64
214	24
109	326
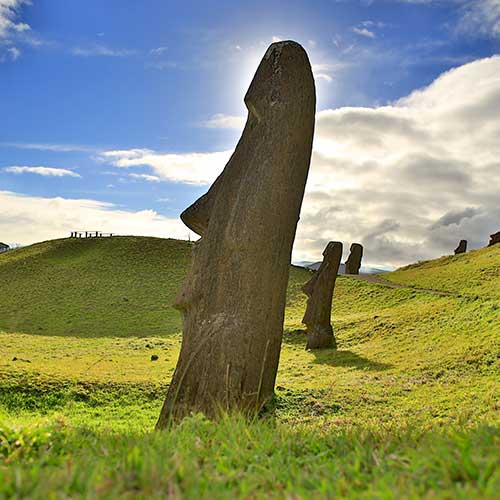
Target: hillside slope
95	310
475	273
121	286
407	407
118	286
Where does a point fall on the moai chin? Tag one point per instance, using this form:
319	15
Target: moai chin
353	262
319	290
233	298
462	247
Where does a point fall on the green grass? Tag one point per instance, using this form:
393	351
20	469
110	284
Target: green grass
407	407
121	286
475	273
200	459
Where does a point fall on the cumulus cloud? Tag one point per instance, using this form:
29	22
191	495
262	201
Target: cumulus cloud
9	15
45	171
407	180
11	29
189	168
410	179
456	217
27	219
221	120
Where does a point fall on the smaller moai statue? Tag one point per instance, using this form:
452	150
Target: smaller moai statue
462	247
319	290
494	239
353	263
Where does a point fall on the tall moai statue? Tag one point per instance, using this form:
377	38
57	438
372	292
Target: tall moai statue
462	247
319	290
233	298
353	262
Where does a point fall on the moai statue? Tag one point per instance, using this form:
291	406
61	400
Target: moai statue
353	262
233	298
319	289
462	247
494	239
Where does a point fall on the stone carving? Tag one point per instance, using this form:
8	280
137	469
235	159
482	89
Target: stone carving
233	299
494	239
353	262
462	247
320	289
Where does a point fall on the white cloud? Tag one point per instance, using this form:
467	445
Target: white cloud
28	219
159	51
323	76
475	17
101	51
59	148
324	71
225	121
9	14
145	177
14	53
45	171
408	180
481	17
276	39
189	168
370	23
364	32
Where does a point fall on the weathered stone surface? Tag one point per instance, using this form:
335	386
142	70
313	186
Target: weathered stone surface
319	290
494	239
462	247
353	262
233	299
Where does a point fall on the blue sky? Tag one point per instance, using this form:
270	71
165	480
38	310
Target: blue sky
138	104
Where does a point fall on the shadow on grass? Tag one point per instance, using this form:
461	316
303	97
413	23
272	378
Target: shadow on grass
348	359
332	357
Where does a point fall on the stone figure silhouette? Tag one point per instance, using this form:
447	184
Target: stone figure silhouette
353	262
462	247
319	290
233	298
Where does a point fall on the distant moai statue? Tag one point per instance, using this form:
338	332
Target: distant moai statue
494	239
462	247
353	262
233	298
320	289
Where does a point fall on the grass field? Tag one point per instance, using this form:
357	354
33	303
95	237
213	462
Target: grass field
407	407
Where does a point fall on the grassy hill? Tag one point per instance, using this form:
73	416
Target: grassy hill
475	273
407	406
121	286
